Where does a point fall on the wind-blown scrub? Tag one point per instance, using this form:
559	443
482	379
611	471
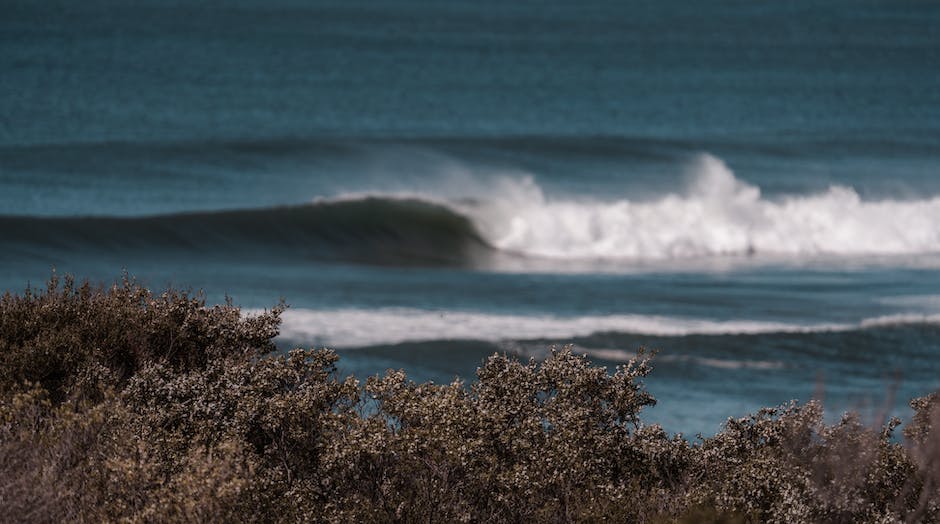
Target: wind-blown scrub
117	404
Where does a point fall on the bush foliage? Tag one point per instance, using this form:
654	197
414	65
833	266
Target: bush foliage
120	405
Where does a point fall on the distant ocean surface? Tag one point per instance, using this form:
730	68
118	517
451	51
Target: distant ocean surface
752	188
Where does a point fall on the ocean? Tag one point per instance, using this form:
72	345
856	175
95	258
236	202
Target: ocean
750	188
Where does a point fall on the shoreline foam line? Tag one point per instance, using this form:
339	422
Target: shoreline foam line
369	327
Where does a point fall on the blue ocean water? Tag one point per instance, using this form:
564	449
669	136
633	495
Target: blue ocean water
751	188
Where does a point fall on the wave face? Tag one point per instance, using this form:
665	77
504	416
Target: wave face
369	230
718	215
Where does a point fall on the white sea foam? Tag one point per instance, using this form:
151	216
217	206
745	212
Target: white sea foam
366	327
716	215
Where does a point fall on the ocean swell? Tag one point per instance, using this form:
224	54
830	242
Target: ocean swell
368	230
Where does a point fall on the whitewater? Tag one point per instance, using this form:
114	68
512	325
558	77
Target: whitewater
351	328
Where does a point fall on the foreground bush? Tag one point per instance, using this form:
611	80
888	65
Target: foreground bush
120	405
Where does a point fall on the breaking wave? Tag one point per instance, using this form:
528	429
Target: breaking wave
511	218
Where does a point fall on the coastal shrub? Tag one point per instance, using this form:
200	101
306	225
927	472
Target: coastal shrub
117	404
77	341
